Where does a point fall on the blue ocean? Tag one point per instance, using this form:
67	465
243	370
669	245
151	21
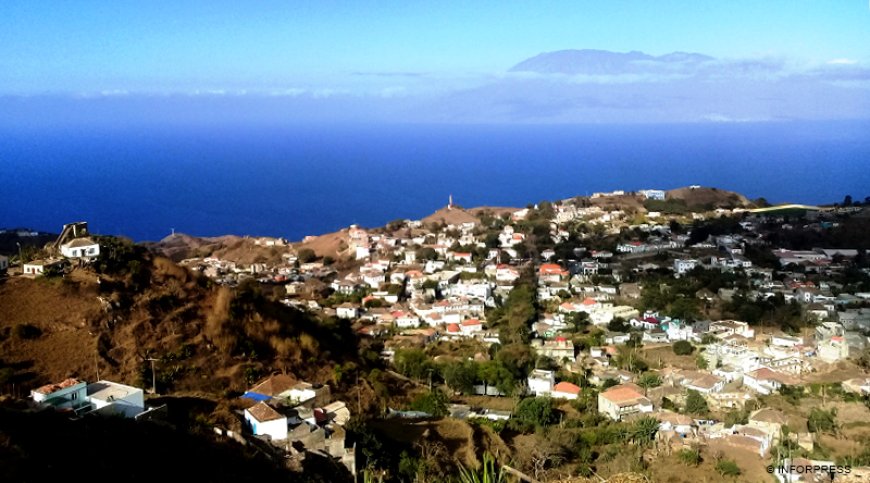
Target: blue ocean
142	181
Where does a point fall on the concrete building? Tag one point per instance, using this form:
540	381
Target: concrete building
112	398
541	382
67	394
622	400
265	421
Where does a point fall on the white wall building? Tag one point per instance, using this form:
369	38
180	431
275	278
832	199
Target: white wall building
541	382
682	266
265	421
85	248
113	398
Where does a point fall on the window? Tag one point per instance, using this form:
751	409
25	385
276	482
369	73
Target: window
74	396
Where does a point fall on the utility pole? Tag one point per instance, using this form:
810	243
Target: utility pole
153	375
358	396
20	259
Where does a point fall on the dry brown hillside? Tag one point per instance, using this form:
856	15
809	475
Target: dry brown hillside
334	245
208	339
451	216
709	197
233	248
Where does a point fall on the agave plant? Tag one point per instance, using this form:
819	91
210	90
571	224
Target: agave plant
488	472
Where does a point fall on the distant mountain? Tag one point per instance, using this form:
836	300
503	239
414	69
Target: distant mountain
603	62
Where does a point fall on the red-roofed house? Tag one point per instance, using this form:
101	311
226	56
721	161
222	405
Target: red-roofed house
551	272
506	273
470	327
453	329
623	399
565	390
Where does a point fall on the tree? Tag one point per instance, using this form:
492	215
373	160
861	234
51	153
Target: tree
728	468
648	380
822	421
608	383
644	430
847	201
412	363
460	376
696	404
689	456
306	255
617	325
535	412
578	321
701	361
683	348
433	402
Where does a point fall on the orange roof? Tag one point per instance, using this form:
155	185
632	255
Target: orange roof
452	327
622	393
590	301
470	322
566	387
551	268
52	388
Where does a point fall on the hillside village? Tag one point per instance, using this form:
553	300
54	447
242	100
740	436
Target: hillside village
589	336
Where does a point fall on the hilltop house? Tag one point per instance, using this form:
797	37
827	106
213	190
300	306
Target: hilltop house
39	267
67	394
83	248
265	421
112	398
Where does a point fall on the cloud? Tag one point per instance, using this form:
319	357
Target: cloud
289	92
842	62
388	74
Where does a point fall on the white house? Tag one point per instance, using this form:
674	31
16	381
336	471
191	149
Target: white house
405	320
541	382
671	421
506	273
705	384
116	399
4	263
565	390
38	267
622	400
470	327
682	266
85	248
265	421
766	381
301	392
69	393
347	311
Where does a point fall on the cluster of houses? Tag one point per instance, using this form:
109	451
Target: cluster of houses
299	418
74	245
105	398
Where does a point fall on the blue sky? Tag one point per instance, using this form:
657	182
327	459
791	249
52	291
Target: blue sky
174	46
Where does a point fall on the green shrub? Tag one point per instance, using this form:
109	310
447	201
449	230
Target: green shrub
728	468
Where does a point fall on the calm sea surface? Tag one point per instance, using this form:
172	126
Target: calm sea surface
291	181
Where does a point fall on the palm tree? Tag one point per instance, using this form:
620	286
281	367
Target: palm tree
644	430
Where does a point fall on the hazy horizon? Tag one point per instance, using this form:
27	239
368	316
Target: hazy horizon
451	63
